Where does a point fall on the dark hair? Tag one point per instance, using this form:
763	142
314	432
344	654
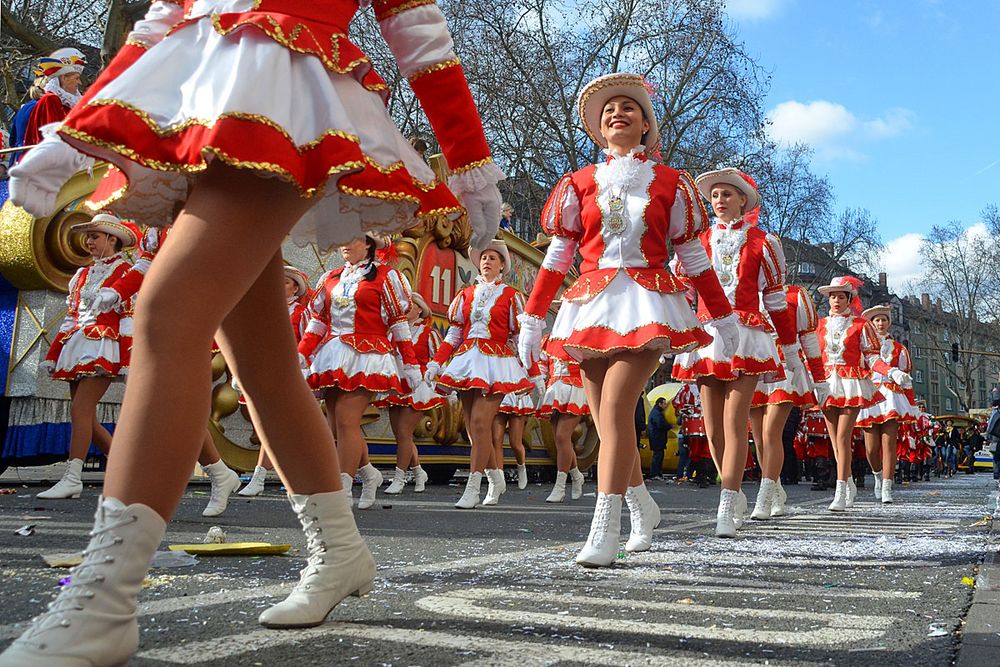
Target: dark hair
119	244
373	269
660	400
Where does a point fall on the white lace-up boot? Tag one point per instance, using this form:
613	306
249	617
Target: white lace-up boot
338	563
558	490
371	479
256	484
419	479
71	484
878	485
398	482
92	621
576	483
839	503
780	498
644	515
601	547
887	492
522	476
496	487
852	492
765	499
473	487
740	509
725	522
347	482
225	482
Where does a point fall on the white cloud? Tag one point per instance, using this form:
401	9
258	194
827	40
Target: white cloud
832	129
901	262
754	10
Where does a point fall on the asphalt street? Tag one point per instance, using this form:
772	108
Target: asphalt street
878	585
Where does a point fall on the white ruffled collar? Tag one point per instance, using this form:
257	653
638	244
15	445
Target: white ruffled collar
68	99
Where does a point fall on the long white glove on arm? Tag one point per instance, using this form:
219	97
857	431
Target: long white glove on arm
729	332
529	341
793	362
901	378
37	179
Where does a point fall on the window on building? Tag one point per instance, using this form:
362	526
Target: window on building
807	269
944	336
948	405
918	376
918	353
915	327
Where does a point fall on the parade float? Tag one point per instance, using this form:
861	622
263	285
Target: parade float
38	256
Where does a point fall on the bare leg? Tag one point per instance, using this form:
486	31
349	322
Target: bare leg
563	427
613	386
757	429
209	454
840	423
226	237
500	423
739	394
352	448
85	395
404	422
713	403
873	448
515	425
774	425
889	439
101	437
479	411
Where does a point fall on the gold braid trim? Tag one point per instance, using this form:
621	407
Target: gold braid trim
430	69
413	4
472	165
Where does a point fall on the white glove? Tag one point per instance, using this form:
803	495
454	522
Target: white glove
793	362
822	392
529	341
412	376
432	372
105	300
37	179
727	330
483	206
303	362
901	378
539	384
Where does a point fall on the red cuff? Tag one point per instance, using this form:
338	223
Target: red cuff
547	283
710	292
407	352
128	284
882	367
817	369
444	353
445	97
784	324
310	341
127	55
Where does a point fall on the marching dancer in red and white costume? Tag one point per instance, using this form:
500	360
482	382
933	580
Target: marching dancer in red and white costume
297	294
751	267
92	346
627	308
773	402
850	352
357	326
564	404
511	420
199	97
881	421
477	360
406	410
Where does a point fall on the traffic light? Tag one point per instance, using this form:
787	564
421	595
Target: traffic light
954	352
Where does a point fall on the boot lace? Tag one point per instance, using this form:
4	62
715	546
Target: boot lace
599	524
74	595
634	508
727	504
316	550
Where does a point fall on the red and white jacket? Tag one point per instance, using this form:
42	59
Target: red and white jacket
663	199
894	355
368	315
487	320
426	342
803	313
850	347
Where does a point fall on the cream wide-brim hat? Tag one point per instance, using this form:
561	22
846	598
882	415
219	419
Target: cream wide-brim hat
729	176
873	312
497	245
596	94
126	232
298	276
421	303
838	284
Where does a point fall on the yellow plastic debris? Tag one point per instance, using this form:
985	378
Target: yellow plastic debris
233	549
968	581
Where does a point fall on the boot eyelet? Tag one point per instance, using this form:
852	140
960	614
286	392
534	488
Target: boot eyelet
64	623
109	559
118	540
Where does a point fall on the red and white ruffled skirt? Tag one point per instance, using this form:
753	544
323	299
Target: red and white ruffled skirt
474	370
847	392
423	398
521	405
896	406
796	390
624	316
337	365
246	100
756	354
77	355
565	398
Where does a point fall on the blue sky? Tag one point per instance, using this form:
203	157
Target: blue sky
899	98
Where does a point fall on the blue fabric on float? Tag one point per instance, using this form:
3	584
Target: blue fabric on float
40	440
8	312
